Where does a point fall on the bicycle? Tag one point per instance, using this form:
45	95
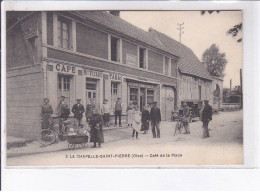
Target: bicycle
179	124
50	135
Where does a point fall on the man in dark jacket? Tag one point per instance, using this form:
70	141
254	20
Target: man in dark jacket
155	117
89	110
78	110
118	111
145	120
63	110
206	116
185	119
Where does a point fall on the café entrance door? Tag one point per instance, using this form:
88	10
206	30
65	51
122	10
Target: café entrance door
91	91
142	98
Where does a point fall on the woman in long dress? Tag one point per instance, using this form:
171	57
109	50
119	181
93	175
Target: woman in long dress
130	108
145	120
46	111
96	132
136	122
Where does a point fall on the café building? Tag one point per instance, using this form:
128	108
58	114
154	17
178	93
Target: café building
83	55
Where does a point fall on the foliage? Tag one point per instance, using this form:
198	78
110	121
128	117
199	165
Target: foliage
210	12
232	31
214	61
235	30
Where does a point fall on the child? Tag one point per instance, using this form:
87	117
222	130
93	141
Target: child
136	122
106	113
145	120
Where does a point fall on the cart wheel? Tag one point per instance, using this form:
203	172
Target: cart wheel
71	146
82	145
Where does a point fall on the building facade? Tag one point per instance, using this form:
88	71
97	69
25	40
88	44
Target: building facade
217	93
194	81
85	55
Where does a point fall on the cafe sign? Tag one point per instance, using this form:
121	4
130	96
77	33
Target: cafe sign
92	73
30	28
65	68
131	59
115	77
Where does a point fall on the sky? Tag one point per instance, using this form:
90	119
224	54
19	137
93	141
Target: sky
200	32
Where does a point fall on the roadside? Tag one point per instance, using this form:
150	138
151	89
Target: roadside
20	146
222	131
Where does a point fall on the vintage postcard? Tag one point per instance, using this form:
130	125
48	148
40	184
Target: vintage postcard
119	88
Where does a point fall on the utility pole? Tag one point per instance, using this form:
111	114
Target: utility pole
180	28
230	85
241	88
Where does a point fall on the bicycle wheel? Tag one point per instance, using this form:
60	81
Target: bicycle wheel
46	137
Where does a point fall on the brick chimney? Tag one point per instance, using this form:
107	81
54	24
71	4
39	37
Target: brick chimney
115	13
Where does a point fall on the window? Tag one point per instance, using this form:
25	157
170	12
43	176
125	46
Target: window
142	58
63	33
134	95
199	92
114	93
166	66
91	92
150	96
64	87
114	88
115	49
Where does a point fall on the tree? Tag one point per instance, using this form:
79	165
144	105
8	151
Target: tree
214	61
232	31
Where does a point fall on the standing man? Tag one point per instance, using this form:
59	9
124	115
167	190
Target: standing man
185	119
89	110
78	110
118	111
63	110
106	112
206	116
155	117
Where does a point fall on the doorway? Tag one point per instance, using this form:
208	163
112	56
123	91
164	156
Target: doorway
169	100
142	98
91	91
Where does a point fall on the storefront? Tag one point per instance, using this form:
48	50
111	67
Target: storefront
73	82
169	101
77	82
142	94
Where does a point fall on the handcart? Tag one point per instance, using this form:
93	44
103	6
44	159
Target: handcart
78	137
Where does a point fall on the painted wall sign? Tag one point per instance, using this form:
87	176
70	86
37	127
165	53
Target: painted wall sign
92	73
131	59
30	27
65	68
115	77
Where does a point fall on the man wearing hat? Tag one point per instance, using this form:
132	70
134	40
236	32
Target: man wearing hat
206	116
78	110
155	117
63	110
118	111
185	119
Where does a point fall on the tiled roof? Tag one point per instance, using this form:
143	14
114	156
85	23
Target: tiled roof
118	24
188	63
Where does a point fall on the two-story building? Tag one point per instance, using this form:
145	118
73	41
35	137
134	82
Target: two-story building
86	55
194	81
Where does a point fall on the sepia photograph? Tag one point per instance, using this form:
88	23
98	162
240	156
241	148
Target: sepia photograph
124	88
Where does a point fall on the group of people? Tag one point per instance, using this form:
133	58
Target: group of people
63	111
205	117
138	121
